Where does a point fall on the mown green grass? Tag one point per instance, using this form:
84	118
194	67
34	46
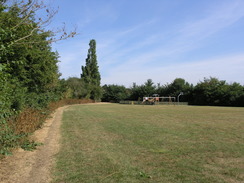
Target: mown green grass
130	143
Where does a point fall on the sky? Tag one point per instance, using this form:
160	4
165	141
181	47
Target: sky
154	39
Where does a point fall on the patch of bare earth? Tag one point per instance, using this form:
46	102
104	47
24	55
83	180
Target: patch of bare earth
34	166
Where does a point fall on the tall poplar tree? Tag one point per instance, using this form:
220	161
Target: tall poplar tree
90	74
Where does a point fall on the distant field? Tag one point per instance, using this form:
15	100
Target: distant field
132	143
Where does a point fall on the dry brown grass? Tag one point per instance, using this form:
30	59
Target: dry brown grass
30	119
55	105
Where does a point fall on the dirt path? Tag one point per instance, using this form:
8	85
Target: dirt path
35	166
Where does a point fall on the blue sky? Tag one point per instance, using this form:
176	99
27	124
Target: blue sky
154	39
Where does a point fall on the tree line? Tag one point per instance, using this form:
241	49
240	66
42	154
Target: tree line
211	91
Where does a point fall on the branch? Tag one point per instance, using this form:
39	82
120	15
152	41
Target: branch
27	11
22	21
25	37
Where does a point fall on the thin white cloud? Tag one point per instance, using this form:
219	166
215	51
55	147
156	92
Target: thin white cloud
219	17
117	44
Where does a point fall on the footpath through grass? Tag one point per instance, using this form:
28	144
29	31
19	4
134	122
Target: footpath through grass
131	143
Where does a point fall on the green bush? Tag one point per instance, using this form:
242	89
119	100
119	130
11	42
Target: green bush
7	137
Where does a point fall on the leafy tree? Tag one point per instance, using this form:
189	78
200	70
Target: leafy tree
23	13
25	51
212	91
146	89
114	93
77	87
90	73
26	54
178	85
235	95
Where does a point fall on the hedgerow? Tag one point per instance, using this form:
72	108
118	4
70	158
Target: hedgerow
29	77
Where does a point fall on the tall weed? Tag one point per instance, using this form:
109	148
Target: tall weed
15	129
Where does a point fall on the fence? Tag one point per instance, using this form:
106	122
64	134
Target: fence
156	103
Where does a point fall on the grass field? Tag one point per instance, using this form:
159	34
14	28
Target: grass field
133	143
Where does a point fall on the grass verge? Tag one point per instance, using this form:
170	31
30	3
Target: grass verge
126	143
